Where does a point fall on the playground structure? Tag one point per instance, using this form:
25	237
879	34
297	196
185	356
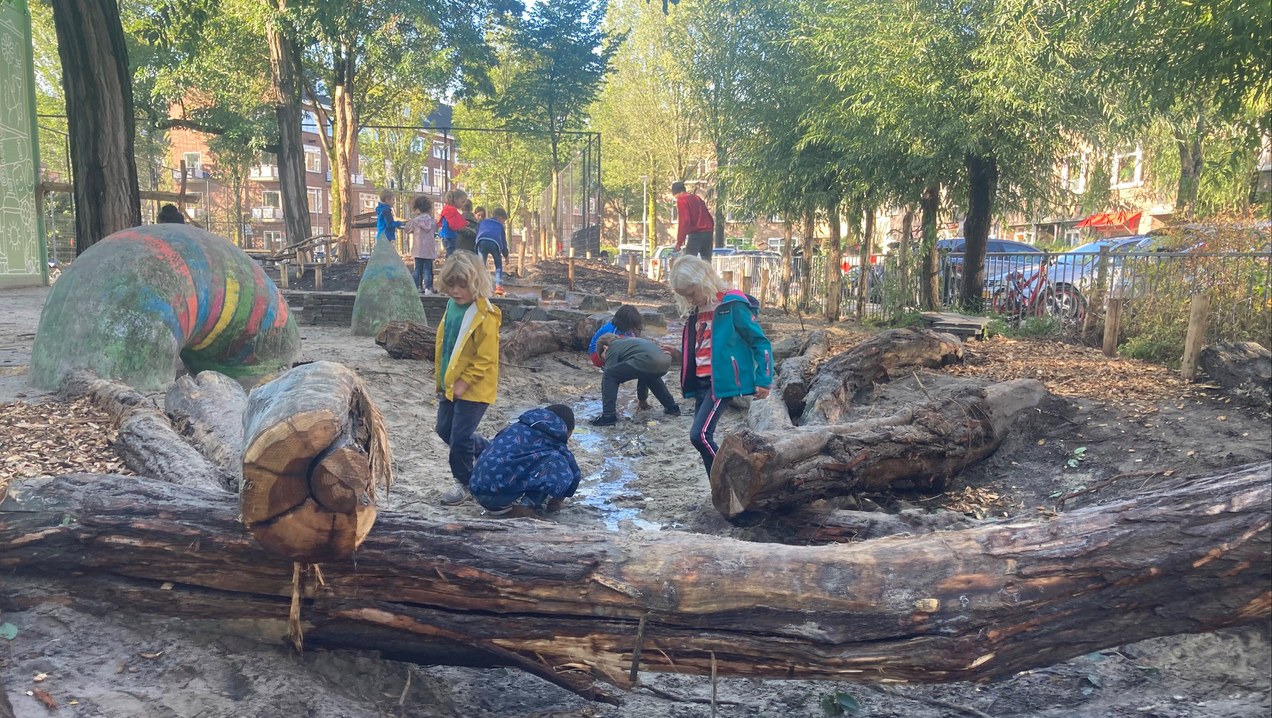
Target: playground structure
144	301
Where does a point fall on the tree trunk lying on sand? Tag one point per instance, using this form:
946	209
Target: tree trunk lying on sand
1244	369
408	340
838	526
314	450
147	443
573	604
208	411
841	380
535	338
921	445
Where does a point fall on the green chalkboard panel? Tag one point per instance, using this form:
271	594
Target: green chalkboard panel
21	255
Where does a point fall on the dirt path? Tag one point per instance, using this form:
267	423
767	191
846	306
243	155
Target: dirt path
643	476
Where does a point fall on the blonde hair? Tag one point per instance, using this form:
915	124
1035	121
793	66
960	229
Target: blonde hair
463	269
692	271
455	197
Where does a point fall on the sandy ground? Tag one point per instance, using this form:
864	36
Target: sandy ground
639	476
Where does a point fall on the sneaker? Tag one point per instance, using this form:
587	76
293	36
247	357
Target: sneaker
554	505
672	410
499	290
455	496
604	420
514	511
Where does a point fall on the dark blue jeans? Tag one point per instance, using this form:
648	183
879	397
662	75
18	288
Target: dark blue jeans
424	273
487	248
706	414
457	425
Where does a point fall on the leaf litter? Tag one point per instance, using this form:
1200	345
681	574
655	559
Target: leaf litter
56	438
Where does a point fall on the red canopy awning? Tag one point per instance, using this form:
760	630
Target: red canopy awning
1112	220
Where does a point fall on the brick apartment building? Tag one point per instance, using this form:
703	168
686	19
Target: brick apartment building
260	221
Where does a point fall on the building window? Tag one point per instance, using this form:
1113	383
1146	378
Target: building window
1026	235
309	123
424	178
367	201
272	238
417	144
1073	172
1072	235
271	198
439	150
1128	168
439	178
193	161
313	159
315	200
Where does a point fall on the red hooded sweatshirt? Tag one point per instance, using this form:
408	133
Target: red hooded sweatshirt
694	217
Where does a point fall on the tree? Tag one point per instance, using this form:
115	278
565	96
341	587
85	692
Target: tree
99	108
395	155
993	86
358	55
285	93
562	55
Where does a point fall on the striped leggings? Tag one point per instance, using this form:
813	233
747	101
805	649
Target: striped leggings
706	414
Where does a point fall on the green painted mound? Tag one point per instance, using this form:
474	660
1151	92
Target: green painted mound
386	293
143	301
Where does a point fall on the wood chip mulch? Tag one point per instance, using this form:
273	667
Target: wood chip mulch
56	438
1075	371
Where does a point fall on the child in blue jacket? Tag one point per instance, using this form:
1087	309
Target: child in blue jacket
492	241
527	467
724	351
385	226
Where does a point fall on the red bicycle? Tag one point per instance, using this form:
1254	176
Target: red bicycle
1036	295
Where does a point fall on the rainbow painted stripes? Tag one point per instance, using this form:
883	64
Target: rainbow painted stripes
143	300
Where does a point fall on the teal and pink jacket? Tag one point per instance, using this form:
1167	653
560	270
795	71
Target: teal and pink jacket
741	356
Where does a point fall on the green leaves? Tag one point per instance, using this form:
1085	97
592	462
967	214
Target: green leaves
1075	458
840	704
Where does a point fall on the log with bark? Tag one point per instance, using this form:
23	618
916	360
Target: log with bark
207	410
820	525
408	340
574	604
843	380
146	442
918	447
790	386
534	338
314	450
1243	369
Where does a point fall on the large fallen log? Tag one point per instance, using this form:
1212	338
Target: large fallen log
1244	369
918	447
842	380
408	340
208	411
790	386
575	604
534	338
146	442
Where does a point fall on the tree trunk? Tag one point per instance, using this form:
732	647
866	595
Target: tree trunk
571	604
847	378
408	340
314	450
344	143
1190	166
787	254
208	411
99	108
905	297
982	176
917	447
816	525
834	256
722	195
147	442
284	61
863	270
1243	369
535	338
806	269
930	280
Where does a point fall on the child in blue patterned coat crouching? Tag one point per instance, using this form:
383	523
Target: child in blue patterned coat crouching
527	468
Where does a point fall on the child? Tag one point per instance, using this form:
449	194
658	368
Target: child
627	322
527	467
450	221
628	358
492	241
724	351
467	364
385	226
423	229
480	213
466	239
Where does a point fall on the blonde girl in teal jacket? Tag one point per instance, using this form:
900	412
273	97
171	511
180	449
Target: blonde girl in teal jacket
724	350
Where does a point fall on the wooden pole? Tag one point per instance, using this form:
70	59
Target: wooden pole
521	252
764	284
570	265
317	277
1097	294
727	276
282	273
631	275
1198	318
1112	325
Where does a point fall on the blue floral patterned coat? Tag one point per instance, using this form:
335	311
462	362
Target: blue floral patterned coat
529	456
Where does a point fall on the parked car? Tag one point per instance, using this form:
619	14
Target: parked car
1001	255
657	267
1077	268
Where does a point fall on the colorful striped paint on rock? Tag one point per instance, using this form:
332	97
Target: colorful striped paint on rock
386	292
137	304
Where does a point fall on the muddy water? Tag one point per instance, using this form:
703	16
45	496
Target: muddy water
606	488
